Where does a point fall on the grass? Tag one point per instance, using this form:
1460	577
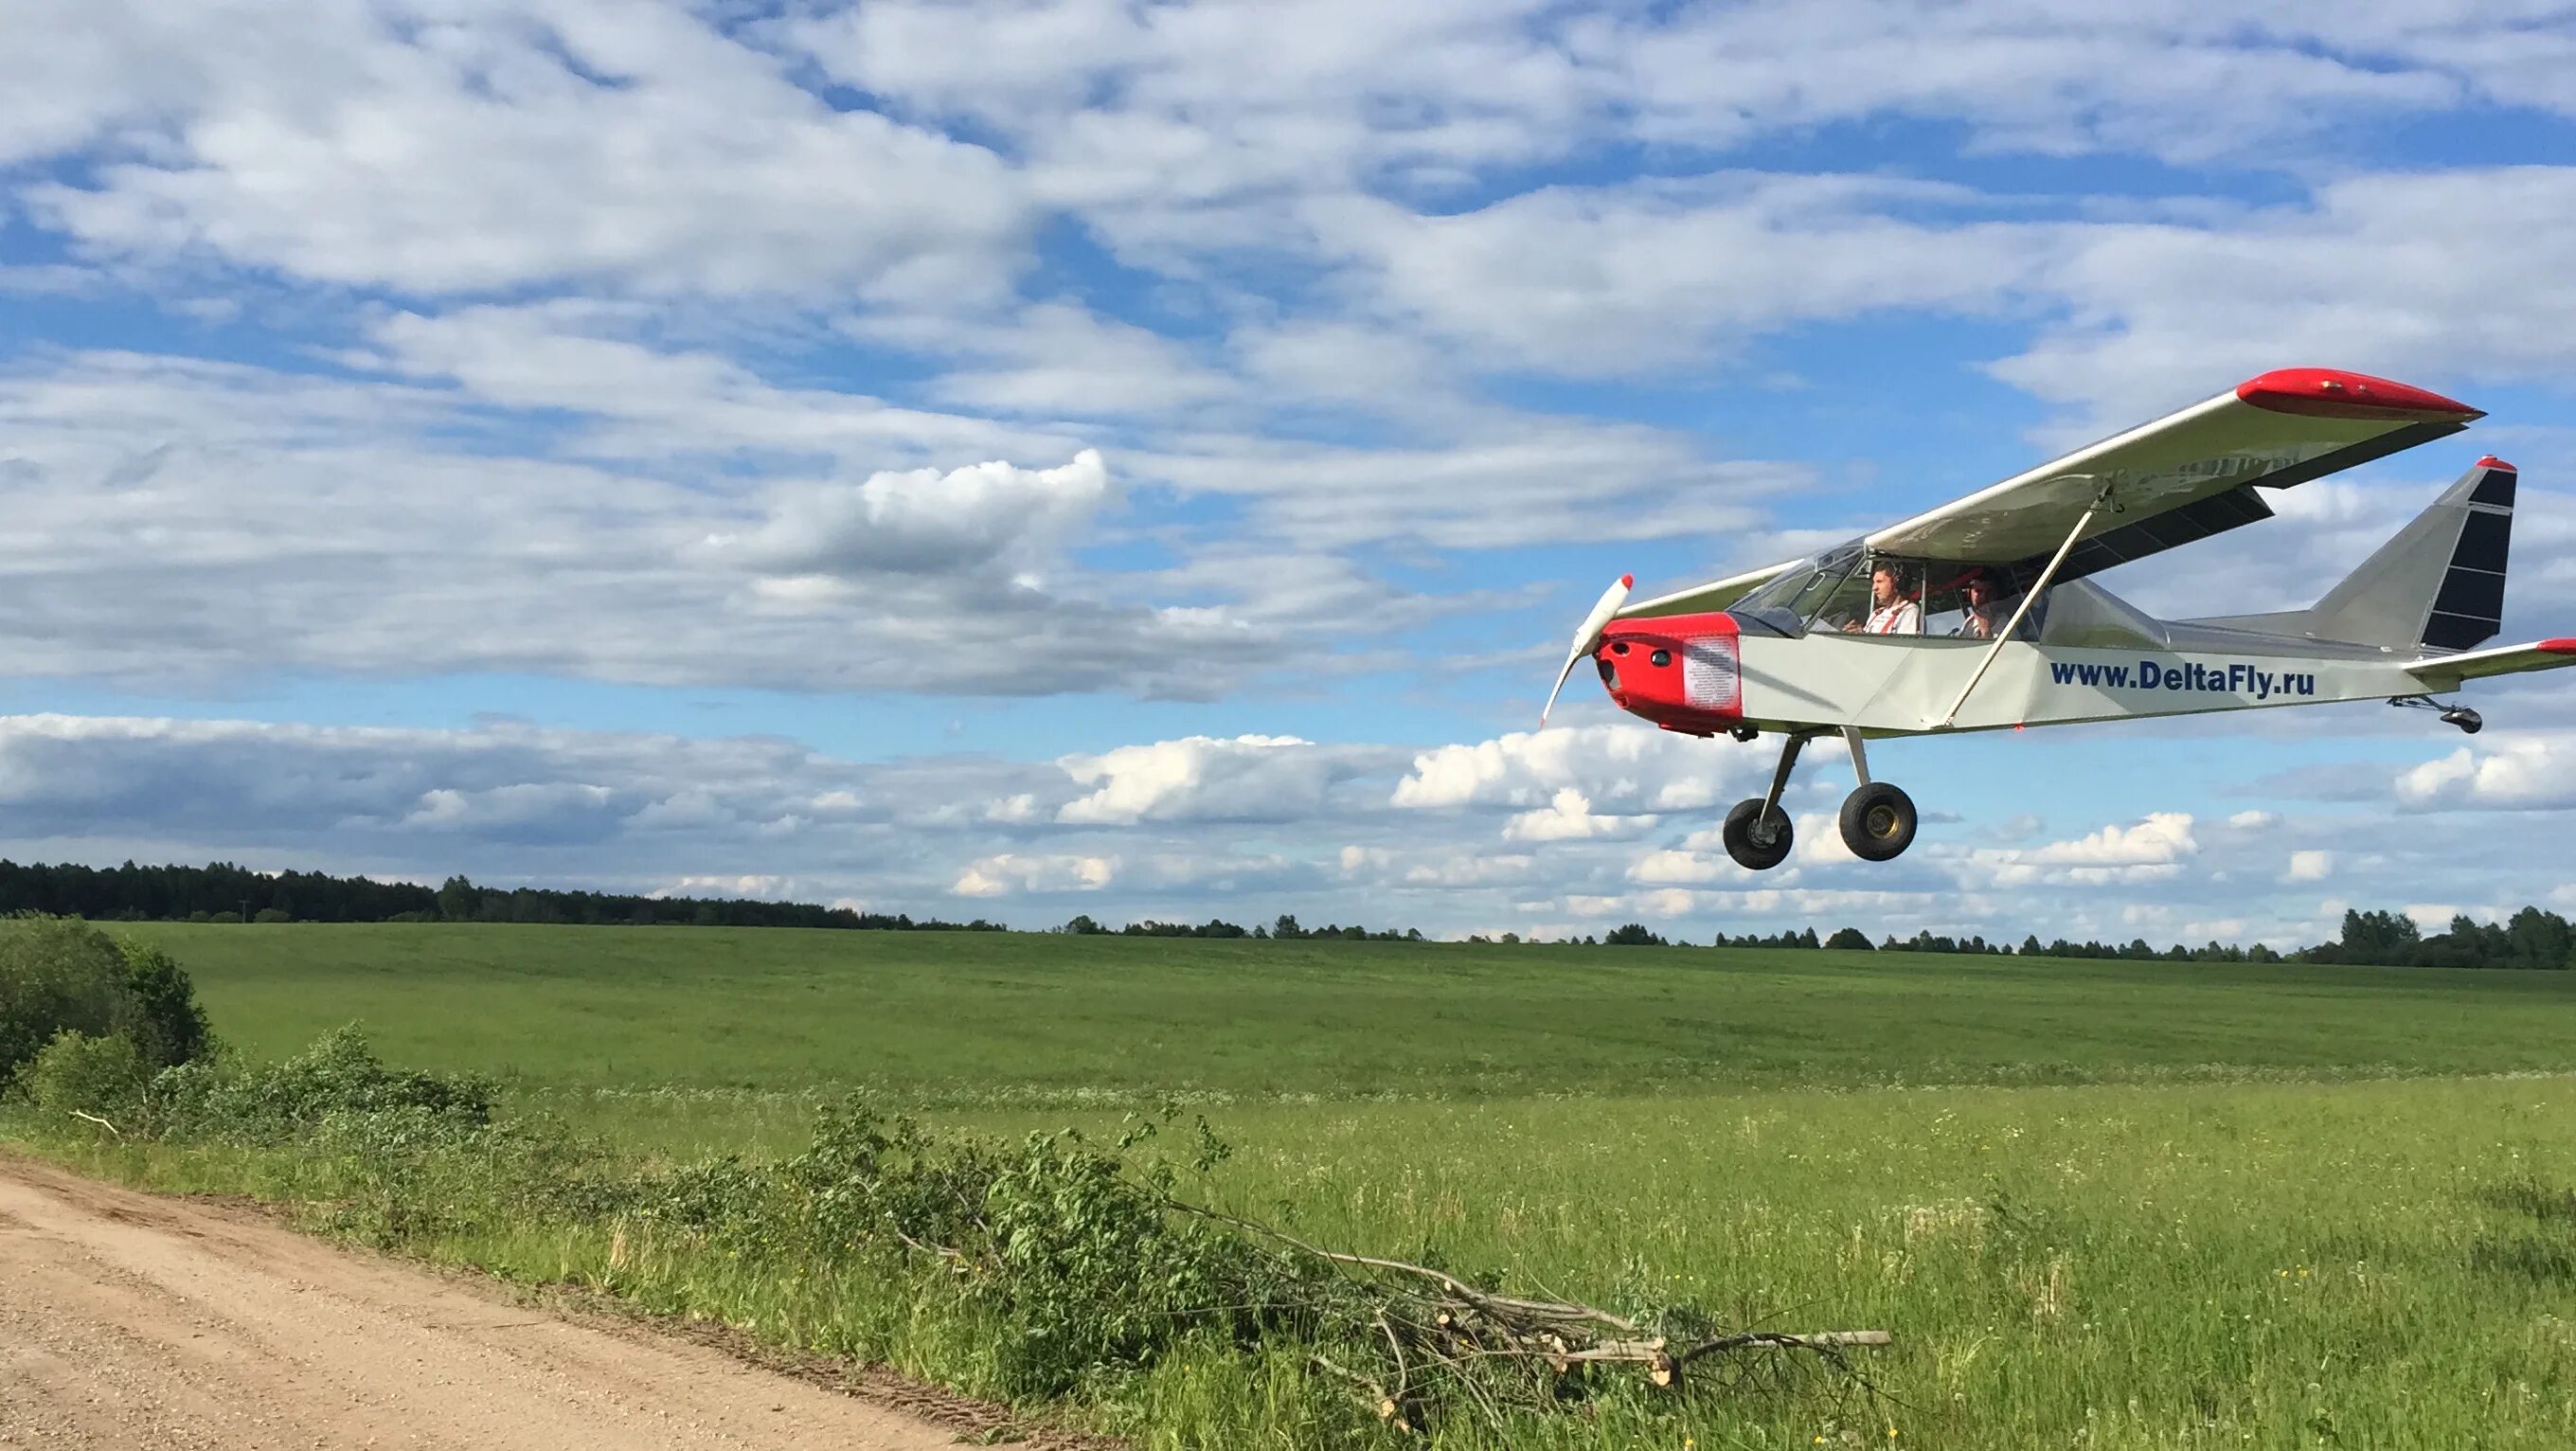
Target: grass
2101	1205
982	1017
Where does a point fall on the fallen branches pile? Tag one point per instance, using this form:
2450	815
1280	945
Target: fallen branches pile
1095	1264
1443	1342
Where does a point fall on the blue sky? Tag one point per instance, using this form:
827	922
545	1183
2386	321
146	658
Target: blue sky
1028	457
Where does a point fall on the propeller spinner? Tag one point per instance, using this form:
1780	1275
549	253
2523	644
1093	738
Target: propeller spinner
1588	639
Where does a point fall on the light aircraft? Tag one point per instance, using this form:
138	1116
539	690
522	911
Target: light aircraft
1979	615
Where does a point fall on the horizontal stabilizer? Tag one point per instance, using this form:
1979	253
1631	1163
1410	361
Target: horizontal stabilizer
2448	671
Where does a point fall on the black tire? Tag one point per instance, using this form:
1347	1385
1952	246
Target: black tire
1878	822
1750	854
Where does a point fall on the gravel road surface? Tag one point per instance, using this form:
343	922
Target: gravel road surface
129	1320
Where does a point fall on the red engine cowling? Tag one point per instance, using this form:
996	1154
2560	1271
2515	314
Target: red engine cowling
1683	672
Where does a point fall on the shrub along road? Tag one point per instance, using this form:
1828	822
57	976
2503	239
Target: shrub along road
132	1320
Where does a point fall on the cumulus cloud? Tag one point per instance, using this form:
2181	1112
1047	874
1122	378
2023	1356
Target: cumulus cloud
1011	873
927	522
1634	768
1641	275
1247	778
348	528
431	150
2309	866
766	817
2533	771
1568	816
2412	274
2146	850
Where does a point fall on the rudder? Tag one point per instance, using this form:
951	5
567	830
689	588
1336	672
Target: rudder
2438	584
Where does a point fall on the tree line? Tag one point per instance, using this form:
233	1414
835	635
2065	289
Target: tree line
224	892
2531	938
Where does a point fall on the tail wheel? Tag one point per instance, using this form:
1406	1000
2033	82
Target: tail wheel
1758	841
1878	822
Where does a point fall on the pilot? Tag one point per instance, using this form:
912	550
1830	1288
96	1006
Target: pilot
1891	612
1985	615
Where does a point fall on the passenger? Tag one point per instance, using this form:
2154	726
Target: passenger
1985	617
1894	613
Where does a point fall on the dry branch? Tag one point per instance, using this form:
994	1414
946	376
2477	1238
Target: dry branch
1446	1340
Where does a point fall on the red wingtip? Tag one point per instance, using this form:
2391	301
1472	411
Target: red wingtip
2333	393
1627	581
2559	647
2492	462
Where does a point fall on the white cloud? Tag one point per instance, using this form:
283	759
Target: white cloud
1051	360
985	515
359	527
2148	850
2431	916
1011	873
1639	276
2532	771
2442	278
1569	817
2254	820
1634	769
642	812
436	150
1202	778
2309	866
1667	867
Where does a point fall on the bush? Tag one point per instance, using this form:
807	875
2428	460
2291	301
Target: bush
62	975
339	1077
106	1075
170	1028
272	914
58	975
1064	1241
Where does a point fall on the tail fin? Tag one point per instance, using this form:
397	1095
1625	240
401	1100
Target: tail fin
2440	582
2437	585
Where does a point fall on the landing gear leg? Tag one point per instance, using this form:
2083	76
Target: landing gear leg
1757	831
1878	820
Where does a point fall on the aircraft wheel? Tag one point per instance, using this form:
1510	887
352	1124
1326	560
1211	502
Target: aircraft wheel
1757	853
1878	822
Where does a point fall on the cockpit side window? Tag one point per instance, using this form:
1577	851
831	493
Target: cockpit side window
1977	602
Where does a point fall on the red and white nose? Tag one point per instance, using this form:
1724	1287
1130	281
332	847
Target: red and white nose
1683	672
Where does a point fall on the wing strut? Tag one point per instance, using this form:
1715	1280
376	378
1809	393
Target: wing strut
2029	598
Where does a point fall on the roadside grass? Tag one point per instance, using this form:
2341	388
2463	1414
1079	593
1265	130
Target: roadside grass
2287	1228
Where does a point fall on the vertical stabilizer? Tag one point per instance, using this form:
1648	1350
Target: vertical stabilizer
2437	585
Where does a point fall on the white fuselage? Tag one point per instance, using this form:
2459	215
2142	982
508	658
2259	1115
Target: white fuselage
1897	685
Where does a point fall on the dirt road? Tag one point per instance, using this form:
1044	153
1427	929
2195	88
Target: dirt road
132	1321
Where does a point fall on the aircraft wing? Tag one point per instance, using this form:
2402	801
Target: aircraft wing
1700	599
2183	477
2446	672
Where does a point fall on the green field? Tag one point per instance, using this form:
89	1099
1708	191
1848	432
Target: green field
2101	1205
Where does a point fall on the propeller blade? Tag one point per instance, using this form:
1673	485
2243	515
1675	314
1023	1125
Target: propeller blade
1587	639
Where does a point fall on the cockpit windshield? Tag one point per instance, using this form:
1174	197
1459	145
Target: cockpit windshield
1840	590
1794	599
